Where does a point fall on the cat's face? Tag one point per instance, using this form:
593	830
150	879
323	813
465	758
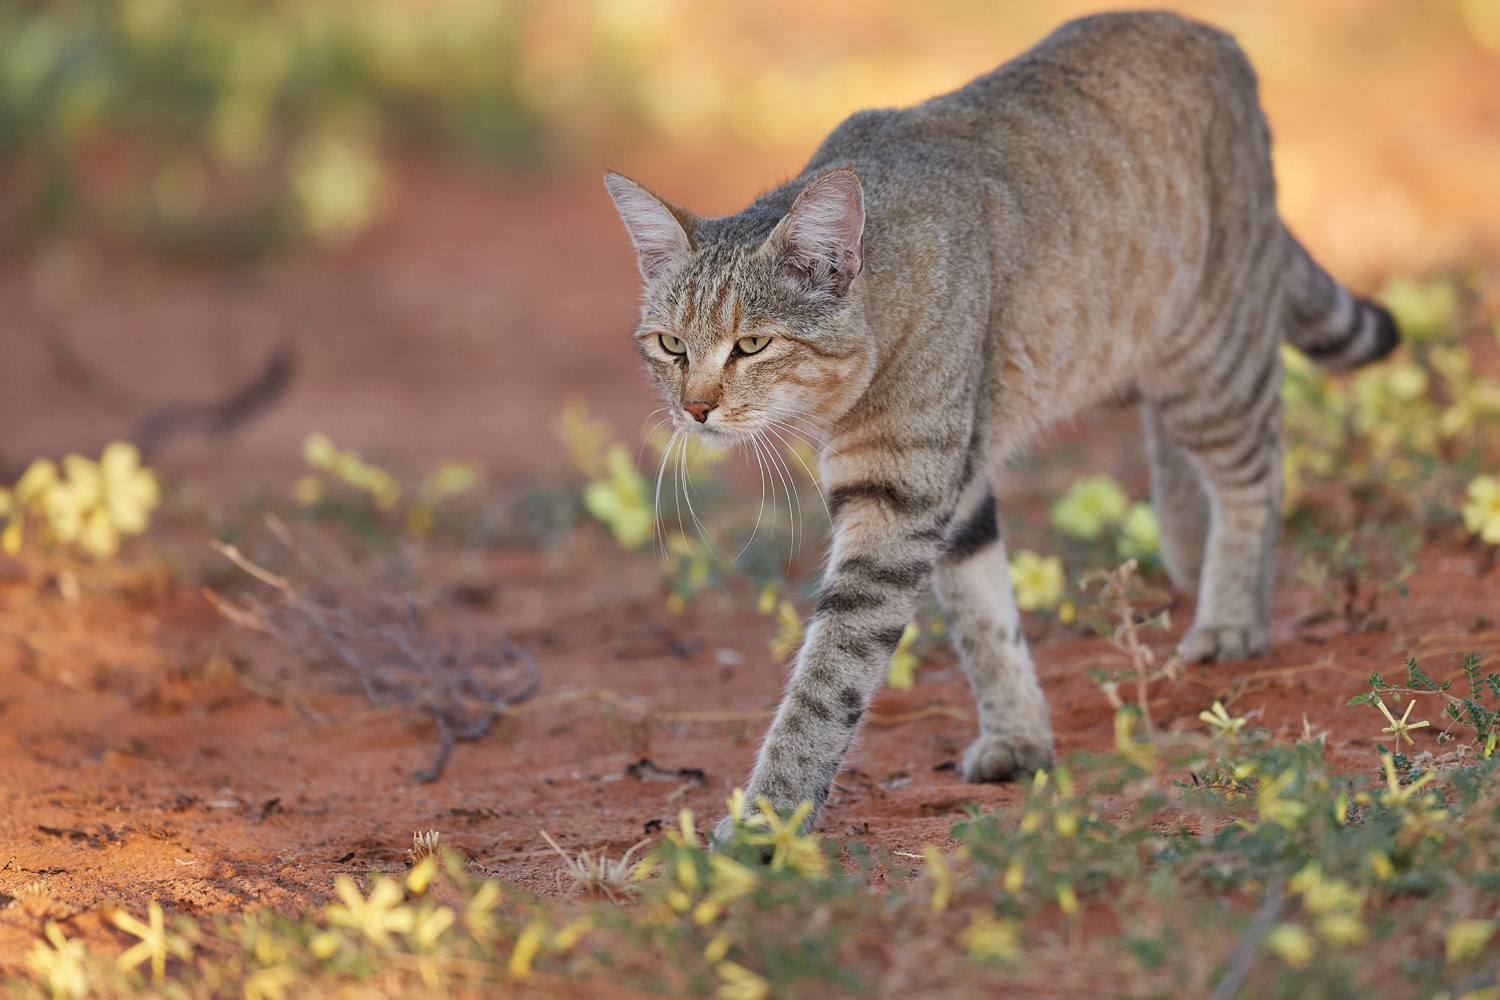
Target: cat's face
744	340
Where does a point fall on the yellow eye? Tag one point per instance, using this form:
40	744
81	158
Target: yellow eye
671	344
752	345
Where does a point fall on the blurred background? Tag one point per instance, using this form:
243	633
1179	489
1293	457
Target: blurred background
399	202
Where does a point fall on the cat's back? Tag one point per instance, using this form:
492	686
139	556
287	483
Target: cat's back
1151	76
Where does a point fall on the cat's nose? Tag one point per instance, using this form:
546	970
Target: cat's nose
699	410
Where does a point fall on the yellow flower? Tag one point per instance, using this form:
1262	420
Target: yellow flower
1481	513
988	939
715	950
740	983
1139	535
15	526
620	499
1220	720
521	956
156	941
790	849
789	633
130	492
942	878
583	436
1015	877
1401	728
1342	929
904	662
62	965
1037	581
1091	505
1272	808
377	917
1467	938
1292	944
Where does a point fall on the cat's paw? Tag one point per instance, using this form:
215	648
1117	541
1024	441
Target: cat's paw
1224	643
1006	758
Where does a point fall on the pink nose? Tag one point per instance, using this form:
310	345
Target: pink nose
699	410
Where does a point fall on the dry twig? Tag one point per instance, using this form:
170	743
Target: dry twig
403	655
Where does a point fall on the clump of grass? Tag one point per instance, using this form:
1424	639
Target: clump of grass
424	845
597	877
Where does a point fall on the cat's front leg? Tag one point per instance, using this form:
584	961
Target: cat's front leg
887	537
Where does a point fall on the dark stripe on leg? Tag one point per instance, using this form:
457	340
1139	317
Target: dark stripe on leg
980	530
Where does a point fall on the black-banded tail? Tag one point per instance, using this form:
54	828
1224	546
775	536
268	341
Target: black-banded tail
1332	327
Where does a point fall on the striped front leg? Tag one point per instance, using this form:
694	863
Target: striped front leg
887	538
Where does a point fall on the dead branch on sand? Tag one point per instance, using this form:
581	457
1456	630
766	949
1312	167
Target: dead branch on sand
404	653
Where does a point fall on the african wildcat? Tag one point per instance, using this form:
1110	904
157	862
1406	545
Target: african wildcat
1093	220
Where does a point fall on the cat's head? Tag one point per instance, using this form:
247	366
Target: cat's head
749	333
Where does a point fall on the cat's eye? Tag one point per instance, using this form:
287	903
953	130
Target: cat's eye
752	345
671	344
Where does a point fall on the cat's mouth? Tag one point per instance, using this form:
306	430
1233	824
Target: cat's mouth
715	435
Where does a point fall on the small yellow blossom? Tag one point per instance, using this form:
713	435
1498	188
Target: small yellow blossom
376	917
1221	721
1139	534
1341	929
1467	938
1015	877
988	939
156	941
1091	505
942	878
621	499
1037	581
1482	512
526	947
61	966
790	849
1291	944
740	983
716	949
789	633
902	672
1401	728
1274	809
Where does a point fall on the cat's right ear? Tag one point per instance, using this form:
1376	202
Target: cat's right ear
657	228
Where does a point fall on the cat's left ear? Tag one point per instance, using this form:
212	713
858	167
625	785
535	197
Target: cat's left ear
658	228
822	237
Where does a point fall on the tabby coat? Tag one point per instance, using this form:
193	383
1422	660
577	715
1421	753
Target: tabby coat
1092	221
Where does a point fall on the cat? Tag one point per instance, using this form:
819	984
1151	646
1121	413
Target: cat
1093	220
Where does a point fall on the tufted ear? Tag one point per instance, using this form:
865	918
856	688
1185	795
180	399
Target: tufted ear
657	228
822	236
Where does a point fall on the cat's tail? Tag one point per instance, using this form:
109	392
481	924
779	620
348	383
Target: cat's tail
1331	326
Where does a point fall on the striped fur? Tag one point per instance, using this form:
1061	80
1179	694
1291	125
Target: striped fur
1093	221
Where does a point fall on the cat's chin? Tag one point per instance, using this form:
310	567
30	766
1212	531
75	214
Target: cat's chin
720	438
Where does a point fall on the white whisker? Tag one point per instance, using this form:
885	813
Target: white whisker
761	510
810	474
661	469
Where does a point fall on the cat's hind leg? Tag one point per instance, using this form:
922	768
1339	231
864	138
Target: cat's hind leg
1226	416
972	580
1178	497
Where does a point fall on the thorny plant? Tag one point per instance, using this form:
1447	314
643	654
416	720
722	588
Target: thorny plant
1477	710
403	653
